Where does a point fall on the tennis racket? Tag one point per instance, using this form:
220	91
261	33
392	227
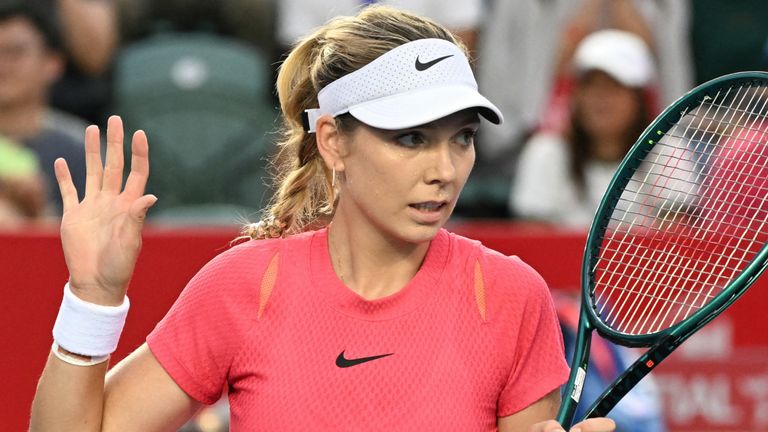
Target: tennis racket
680	233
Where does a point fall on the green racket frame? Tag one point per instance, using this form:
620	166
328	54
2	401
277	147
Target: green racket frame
664	342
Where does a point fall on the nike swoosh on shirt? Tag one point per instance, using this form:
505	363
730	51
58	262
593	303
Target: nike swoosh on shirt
424	66
343	362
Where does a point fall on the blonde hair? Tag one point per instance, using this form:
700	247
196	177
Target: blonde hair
304	191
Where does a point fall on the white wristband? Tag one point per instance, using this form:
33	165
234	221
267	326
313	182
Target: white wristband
86	328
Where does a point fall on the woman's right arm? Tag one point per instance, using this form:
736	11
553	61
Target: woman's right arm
101	238
138	395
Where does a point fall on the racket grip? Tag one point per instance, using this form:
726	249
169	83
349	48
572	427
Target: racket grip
579	363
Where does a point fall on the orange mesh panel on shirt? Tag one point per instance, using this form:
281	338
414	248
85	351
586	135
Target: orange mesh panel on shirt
267	283
479	289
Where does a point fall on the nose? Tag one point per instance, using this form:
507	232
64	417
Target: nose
442	164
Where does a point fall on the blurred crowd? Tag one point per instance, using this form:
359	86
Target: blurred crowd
577	82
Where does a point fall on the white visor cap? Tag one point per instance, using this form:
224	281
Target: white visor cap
620	54
411	85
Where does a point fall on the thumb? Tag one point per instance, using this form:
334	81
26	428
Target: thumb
137	212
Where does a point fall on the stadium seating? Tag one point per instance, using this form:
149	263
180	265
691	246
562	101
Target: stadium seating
204	102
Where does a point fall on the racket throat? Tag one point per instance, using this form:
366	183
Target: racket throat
632	376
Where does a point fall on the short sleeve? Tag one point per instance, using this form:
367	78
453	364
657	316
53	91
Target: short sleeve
538	363
202	332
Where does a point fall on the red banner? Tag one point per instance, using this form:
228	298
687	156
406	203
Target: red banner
717	381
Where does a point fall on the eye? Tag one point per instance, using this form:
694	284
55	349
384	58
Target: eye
411	139
466	137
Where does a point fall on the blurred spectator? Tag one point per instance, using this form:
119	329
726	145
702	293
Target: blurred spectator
30	62
518	61
561	177
296	18
89	32
88	40
21	185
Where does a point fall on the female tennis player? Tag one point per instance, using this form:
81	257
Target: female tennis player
377	320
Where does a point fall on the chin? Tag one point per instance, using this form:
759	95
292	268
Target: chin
420	233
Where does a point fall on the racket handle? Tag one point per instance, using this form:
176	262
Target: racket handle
579	364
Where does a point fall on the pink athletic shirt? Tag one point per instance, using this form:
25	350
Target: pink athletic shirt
472	337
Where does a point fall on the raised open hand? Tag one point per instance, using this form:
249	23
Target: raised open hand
101	235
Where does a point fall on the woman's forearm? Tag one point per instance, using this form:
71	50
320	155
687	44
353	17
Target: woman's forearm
69	397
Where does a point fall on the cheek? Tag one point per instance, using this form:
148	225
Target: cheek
373	179
467	162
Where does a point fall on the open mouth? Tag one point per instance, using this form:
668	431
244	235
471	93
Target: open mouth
429	206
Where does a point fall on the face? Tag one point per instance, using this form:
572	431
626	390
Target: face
27	66
606	108
406	182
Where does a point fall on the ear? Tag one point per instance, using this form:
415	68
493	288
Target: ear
330	142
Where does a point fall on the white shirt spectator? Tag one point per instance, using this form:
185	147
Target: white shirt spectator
517	52
544	188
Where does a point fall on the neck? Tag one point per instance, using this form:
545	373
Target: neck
21	122
371	264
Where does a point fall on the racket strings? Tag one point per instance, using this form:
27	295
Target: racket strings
760	189
713	266
690	218
753	161
707	241
756	138
725	271
645	203
722	212
644	257
710	276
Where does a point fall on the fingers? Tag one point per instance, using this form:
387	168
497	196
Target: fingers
69	197
109	178
600	424
93	167
137	179
547	426
113	169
